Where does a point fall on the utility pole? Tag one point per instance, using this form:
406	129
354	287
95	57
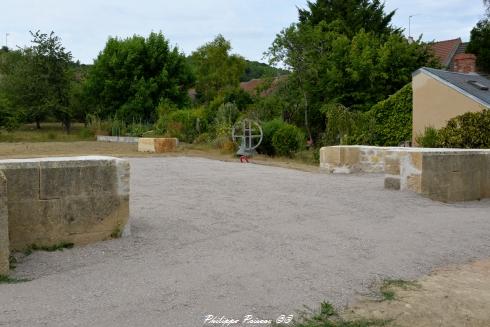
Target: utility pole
410	25
6	40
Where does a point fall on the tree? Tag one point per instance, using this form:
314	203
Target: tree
37	81
337	58
350	16
131	77
216	69
480	44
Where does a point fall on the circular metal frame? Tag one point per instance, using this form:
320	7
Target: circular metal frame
248	136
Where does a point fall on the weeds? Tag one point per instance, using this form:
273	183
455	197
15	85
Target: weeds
388	286
11	280
117	232
56	247
327	316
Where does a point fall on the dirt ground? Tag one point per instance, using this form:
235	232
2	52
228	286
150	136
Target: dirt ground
451	296
222	238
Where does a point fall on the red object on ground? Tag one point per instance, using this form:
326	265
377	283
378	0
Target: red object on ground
244	158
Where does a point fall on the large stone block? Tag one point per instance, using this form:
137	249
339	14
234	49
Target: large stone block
4	231
78	200
157	145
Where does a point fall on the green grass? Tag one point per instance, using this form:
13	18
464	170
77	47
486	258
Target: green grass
327	316
11	280
388	288
117	232
56	247
49	132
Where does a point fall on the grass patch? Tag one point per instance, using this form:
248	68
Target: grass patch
49	132
389	286
117	232
11	280
12	262
56	247
327	316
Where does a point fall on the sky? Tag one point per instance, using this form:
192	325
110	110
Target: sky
250	25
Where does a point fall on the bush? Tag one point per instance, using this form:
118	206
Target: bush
185	124
393	118
470	130
269	129
429	139
287	140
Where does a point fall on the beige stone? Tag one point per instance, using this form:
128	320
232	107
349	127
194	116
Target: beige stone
4	231
157	145
78	200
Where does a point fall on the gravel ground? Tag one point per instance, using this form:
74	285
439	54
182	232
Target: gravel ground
211	237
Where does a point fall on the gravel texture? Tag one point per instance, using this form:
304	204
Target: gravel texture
211	237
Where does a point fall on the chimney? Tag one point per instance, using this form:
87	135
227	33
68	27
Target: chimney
465	63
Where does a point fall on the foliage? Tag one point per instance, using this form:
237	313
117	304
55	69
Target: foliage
480	44
216	69
257	70
470	130
269	128
36	80
393	118
429	139
184	124
347	127
131	77
287	140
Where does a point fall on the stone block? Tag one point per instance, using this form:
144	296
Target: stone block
157	145
392	183
4	231
78	200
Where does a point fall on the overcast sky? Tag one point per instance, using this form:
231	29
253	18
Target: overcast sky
251	25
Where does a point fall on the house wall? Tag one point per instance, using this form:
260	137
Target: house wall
434	103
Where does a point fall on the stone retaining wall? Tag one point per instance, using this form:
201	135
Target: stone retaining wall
157	145
346	159
53	200
4	231
118	139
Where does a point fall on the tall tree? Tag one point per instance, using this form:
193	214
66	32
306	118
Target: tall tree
131	77
37	80
480	44
216	69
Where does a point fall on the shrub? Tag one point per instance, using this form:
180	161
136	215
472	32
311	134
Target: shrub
185	124
287	140
269	129
470	130
429	139
393	118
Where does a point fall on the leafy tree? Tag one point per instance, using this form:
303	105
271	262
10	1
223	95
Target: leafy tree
256	70
349	16
131	77
37	80
216	69
335	60
480	44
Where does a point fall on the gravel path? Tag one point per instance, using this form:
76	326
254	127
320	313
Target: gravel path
212	237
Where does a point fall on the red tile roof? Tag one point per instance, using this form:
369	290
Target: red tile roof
445	50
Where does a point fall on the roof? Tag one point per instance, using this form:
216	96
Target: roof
445	50
461	83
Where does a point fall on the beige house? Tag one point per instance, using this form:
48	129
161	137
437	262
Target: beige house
440	95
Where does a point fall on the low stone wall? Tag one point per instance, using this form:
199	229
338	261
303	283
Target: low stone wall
352	159
4	231
118	139
157	145
447	175
53	200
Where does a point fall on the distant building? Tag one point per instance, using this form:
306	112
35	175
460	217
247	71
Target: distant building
439	95
453	57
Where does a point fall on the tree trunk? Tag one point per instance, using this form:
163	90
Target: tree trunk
38	123
67	124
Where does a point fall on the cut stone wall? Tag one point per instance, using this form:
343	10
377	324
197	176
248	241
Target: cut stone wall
447	175
77	199
118	139
353	159
157	145
4	232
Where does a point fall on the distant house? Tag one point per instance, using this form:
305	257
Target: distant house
439	95
453	57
